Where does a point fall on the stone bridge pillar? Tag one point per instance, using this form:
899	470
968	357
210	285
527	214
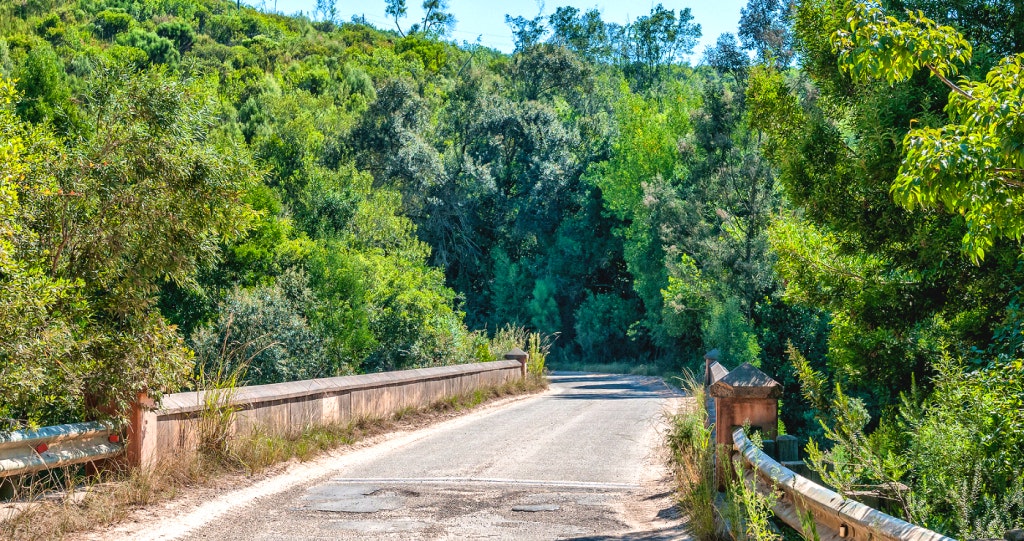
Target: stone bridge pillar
521	356
745	396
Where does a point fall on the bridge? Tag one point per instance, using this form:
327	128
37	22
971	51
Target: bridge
579	461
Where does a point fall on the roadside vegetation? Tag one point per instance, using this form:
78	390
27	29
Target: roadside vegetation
692	461
833	194
742	510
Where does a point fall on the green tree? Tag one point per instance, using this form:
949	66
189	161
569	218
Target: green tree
40	379
150	191
764	29
972	164
658	40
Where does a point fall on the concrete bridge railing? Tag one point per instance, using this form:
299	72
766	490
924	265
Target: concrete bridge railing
835	517
747	397
156	431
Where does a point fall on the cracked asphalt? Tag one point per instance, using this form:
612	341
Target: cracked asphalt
581	461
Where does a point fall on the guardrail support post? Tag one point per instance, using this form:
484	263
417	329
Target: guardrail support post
142	437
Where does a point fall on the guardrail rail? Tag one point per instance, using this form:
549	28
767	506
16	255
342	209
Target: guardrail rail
28	451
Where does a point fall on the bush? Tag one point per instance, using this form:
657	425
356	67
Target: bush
111	22
265	330
180	33
159	50
959	451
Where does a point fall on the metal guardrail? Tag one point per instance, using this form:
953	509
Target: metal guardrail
27	451
836	517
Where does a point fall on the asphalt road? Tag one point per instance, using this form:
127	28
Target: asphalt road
578	462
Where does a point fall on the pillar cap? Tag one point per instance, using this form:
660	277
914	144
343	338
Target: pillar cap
517	355
746	381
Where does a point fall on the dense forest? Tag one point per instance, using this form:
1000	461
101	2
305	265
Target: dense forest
194	185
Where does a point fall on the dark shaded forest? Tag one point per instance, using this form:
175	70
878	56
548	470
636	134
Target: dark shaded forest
189	186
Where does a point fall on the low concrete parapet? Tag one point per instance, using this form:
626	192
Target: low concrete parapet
748	397
835	517
289	408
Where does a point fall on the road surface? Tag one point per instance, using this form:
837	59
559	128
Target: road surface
581	461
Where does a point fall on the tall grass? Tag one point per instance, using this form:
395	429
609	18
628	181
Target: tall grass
537	348
749	511
692	459
217	416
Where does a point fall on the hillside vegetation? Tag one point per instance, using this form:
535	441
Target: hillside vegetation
194	185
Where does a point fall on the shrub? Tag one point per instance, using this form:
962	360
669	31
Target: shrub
958	451
264	329
180	33
159	50
111	22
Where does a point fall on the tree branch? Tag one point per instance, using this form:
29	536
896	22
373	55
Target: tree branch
949	83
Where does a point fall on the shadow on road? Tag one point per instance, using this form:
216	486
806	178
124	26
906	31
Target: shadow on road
611	391
579	378
611	396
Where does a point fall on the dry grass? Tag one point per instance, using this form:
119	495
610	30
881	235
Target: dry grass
48	508
66	501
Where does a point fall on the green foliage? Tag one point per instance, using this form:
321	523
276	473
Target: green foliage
318	198
543	307
38	311
159	50
264	335
878	45
748	509
686	298
969	166
951	461
43	85
538	347
659	39
763	28
727	329
602	326
692	459
179	32
111	22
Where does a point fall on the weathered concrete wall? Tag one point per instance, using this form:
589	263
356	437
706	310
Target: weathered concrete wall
288	408
758	413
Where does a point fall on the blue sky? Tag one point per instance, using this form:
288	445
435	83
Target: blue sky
486	20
